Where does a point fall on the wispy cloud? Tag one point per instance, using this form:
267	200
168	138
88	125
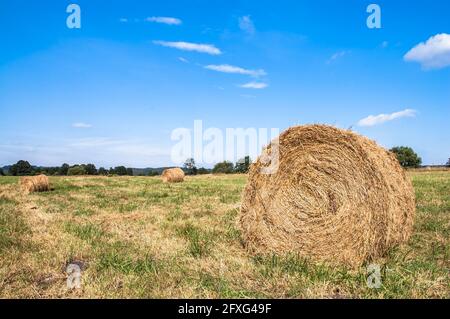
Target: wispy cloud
123	20
432	54
337	55
373	120
226	68
183	60
254	85
246	24
384	44
187	46
165	20
81	125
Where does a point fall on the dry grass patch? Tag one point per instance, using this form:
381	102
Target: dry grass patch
138	237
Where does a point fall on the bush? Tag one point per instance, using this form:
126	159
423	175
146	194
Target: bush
202	171
224	167
152	173
76	171
406	156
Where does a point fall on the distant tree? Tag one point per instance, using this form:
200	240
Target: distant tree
448	162
64	169
202	171
111	171
76	170
130	171
189	167
406	156
102	171
21	168
243	165
120	170
90	169
224	167
153	173
1	172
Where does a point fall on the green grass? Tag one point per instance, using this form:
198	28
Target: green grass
141	238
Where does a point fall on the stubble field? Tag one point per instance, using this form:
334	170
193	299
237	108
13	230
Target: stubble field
135	237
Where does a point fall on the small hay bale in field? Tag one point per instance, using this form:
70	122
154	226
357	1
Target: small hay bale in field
32	184
173	175
337	197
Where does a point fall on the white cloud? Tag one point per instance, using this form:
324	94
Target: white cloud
187	46
226	68
123	20
432	54
81	125
183	60
246	24
337	55
98	150
165	20
372	120
254	85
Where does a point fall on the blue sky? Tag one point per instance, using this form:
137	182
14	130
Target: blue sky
113	91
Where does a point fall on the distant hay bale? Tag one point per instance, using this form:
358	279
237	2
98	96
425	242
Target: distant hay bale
32	184
337	197
173	175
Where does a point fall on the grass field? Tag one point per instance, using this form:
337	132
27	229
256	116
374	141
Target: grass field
135	237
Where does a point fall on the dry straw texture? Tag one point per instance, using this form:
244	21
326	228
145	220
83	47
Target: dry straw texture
337	197
32	184
173	175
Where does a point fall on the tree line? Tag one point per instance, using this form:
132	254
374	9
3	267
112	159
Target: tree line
24	168
406	156
241	166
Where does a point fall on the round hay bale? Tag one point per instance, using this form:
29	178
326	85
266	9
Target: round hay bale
173	175
336	197
32	184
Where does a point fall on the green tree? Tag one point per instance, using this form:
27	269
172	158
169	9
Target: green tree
130	171
64	169
243	165
102	171
2	173
224	167
90	169
406	156
21	168
189	167
448	162
76	170
120	170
